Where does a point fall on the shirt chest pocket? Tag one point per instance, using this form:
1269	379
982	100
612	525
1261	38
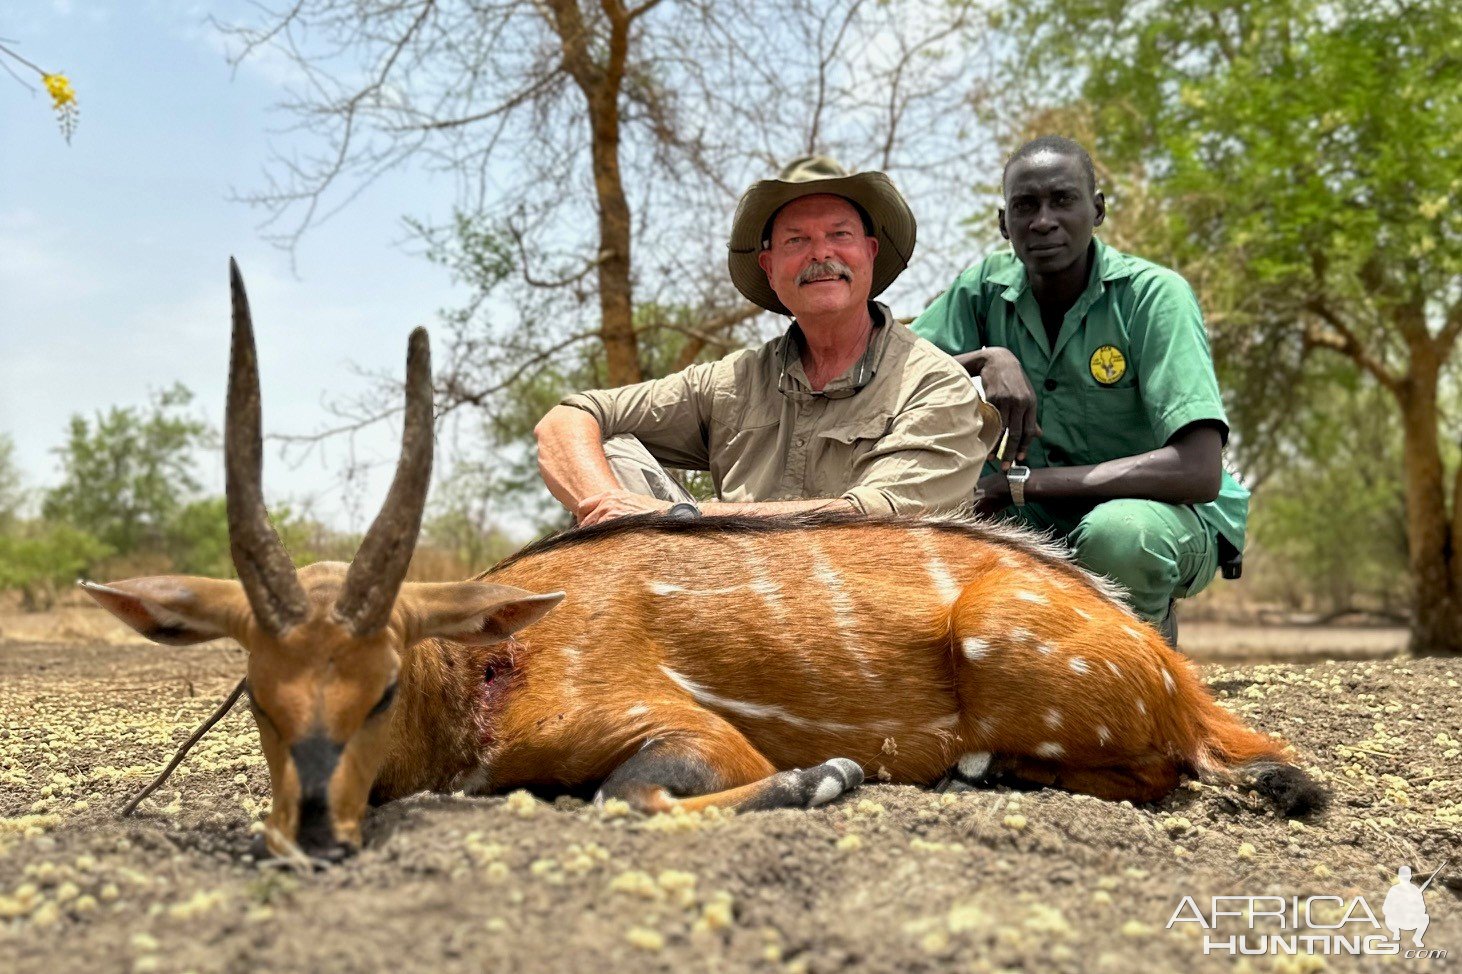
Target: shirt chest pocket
1115	422
834	453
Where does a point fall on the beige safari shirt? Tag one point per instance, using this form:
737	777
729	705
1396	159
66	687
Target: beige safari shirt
911	441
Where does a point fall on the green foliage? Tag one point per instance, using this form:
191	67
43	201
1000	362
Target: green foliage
129	472
1331	520
12	487
39	559
1301	156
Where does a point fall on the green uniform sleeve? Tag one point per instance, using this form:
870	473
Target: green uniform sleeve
1174	364
952	322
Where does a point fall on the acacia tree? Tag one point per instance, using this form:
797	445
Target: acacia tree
599	147
1301	157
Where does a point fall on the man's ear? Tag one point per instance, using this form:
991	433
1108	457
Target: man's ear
1100	202
1004	231
175	610
763	260
477	613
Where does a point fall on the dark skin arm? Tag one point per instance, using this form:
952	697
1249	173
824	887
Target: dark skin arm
1010	392
1188	469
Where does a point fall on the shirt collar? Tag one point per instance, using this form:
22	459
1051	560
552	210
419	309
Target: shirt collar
1108	264
859	374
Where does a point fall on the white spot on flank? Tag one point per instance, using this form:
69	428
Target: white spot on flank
1142	706
1116	670
843	609
668	588
1036	597
638	710
1044	650
1022	635
1167	681
762	711
941	724
1103	735
974	648
1083	614
944	582
1132	632
1053	718
1078	665
987	727
974	764
1050	749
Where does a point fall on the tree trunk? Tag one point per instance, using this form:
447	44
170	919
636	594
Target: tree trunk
1436	628
616	305
601	84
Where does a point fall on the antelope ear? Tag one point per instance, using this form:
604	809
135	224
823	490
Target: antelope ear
477	613
175	610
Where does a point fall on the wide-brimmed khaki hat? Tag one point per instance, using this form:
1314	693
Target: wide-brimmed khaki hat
893	222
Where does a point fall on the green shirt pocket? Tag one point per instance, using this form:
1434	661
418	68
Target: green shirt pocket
1114	423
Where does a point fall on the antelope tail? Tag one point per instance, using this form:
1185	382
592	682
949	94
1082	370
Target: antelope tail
1219	746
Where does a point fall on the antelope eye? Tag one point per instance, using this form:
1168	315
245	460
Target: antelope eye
386	700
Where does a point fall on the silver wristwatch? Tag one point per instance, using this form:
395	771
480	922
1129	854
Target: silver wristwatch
1017	475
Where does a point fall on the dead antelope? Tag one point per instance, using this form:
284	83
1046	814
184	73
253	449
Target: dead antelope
691	664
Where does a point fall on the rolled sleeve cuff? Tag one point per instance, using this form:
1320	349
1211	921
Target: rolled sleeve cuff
1186	412
592	406
871	501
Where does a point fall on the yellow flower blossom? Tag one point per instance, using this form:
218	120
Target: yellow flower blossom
59	87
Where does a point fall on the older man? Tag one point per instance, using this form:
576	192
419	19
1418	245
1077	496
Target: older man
846	411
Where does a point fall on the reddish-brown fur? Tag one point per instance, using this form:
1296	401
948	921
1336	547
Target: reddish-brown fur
831	638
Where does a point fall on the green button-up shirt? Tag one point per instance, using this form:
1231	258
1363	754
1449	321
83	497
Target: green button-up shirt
1130	366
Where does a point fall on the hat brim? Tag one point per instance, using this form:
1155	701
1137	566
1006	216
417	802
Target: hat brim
893	225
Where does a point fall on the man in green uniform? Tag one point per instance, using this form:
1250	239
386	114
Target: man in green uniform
1099	365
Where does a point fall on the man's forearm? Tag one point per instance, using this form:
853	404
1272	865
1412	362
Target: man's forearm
571	456
1186	471
770	508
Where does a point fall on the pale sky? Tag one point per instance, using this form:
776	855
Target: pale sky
114	250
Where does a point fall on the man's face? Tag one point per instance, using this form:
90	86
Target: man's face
820	261
1050	212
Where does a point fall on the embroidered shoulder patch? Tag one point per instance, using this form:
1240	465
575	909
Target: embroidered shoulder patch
1108	365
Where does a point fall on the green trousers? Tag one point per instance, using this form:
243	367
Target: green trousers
1157	552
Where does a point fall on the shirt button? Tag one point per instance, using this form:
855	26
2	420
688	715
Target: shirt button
1050	384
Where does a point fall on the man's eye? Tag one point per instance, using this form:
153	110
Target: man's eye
842	234
386	700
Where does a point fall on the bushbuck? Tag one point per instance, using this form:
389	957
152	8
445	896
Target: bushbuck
735	662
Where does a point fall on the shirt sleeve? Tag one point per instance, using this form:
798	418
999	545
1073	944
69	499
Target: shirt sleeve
929	460
670	416
1174	364
952	321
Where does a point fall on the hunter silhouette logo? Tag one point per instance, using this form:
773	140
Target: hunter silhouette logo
1326	925
1108	365
1405	907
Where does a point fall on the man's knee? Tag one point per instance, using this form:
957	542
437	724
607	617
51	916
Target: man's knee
638	471
1131	543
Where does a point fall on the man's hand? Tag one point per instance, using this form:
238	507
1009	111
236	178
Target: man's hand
1010	392
617	503
994	494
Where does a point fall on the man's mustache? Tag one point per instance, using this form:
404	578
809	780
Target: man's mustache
823	270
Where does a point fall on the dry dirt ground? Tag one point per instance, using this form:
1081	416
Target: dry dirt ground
889	879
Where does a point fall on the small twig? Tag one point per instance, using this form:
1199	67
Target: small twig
197	736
